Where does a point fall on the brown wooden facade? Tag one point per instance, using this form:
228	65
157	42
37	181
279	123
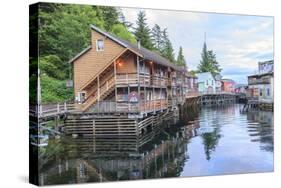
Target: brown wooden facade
113	75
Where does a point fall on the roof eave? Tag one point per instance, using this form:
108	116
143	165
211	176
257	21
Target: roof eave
80	54
109	36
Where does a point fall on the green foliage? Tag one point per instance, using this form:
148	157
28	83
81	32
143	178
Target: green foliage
208	62
110	17
157	37
210	141
167	49
193	72
33	70
54	90
64	31
181	60
51	66
142	31
121	31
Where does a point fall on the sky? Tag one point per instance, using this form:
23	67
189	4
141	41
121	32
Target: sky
239	41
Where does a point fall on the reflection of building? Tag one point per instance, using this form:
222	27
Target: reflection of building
261	129
94	160
228	85
261	84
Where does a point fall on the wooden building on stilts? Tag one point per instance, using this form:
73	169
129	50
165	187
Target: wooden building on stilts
123	88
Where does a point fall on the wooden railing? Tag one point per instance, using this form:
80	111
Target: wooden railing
93	98
112	106
191	94
216	93
127	78
159	81
144	79
54	109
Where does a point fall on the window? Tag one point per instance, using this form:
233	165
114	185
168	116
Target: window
81	97
100	45
268	92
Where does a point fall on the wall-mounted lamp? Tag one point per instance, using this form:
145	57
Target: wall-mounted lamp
120	64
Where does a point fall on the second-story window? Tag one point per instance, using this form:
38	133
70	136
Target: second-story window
100	45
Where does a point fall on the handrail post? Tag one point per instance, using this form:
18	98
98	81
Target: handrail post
65	107
58	107
40	109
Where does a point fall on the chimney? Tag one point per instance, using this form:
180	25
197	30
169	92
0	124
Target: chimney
138	43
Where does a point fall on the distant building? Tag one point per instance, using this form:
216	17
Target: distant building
206	83
241	88
265	67
227	85
218	78
261	84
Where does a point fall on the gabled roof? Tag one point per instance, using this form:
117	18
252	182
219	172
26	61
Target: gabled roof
150	55
227	80
81	53
145	53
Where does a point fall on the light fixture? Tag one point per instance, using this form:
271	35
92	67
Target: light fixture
120	64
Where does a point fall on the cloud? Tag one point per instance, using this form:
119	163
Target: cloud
238	41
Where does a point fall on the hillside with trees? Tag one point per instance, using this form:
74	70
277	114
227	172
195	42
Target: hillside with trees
64	31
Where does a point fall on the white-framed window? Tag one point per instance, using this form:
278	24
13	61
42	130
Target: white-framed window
81	96
100	45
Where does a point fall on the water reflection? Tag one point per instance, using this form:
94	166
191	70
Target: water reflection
260	128
209	141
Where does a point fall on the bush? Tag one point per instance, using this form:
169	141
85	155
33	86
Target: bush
53	90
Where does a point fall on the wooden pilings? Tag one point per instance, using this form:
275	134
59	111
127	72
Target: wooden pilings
116	126
216	99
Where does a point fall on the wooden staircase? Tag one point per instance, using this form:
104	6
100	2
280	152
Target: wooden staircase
99	94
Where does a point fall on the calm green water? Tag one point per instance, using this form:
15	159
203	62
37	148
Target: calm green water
211	141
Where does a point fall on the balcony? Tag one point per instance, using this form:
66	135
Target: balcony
144	79
159	81
259	81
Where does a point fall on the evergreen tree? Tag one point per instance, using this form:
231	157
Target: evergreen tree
123	21
208	62
181	60
215	64
63	32
167	50
157	37
110	16
142	31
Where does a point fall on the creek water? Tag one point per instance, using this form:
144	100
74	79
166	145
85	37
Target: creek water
210	141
